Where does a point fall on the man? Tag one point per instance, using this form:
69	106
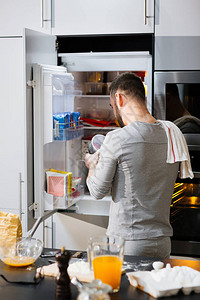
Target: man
132	163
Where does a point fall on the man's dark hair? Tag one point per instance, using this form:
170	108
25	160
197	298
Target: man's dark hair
130	84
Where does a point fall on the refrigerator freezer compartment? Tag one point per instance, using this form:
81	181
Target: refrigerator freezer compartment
61	133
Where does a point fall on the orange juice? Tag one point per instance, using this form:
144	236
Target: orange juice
108	270
18	261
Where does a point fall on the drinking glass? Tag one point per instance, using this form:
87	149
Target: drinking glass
105	255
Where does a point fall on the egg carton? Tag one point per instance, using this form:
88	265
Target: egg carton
167	281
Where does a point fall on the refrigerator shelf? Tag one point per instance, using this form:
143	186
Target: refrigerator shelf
100	128
65	134
93	96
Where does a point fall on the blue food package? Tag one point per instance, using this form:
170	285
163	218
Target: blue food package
76	118
75	124
66	125
63	119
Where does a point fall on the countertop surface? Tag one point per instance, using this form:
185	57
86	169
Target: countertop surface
46	288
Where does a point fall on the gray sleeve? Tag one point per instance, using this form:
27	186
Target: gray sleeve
100	182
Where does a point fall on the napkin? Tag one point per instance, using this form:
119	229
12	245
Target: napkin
177	149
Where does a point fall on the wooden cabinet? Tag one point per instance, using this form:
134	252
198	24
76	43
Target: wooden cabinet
74	17
17	14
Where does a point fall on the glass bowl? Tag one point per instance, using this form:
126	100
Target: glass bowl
23	253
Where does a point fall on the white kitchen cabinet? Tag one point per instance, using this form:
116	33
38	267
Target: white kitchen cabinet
177	17
18	14
74	17
12	106
177	35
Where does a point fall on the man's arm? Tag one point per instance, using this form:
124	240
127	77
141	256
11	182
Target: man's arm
102	167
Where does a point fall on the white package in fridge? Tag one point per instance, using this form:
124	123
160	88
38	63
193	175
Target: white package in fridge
59	184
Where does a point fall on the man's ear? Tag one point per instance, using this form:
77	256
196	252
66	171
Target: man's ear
119	100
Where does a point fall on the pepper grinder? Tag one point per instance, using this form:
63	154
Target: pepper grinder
63	290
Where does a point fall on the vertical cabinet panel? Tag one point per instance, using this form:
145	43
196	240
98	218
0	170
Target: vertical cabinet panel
12	124
103	17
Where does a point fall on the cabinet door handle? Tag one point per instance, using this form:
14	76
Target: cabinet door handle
20	196
42	13
145	12
46	15
157	12
52	13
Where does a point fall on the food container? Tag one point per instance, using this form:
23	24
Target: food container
95	76
96	143
59	184
95	88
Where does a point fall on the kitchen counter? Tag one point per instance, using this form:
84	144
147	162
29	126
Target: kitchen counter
45	289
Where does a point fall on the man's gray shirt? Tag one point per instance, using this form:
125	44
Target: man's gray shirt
133	164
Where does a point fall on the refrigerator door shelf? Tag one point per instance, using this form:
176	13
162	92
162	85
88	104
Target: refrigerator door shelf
52	202
89	206
67	134
42	101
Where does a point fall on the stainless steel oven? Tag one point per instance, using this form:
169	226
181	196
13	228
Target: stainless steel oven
166	84
177	99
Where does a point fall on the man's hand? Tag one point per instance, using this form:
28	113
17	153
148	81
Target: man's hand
91	161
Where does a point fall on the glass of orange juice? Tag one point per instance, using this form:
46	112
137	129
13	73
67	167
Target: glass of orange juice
106	255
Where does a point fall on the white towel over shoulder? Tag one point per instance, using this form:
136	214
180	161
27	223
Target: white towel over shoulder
177	149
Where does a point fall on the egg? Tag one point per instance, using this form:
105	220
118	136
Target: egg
157	265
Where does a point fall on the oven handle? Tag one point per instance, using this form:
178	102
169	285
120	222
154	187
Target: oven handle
196	174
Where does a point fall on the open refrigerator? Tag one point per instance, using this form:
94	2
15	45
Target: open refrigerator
79	85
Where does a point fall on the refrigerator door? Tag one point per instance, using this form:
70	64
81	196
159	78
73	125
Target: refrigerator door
43	125
38	48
